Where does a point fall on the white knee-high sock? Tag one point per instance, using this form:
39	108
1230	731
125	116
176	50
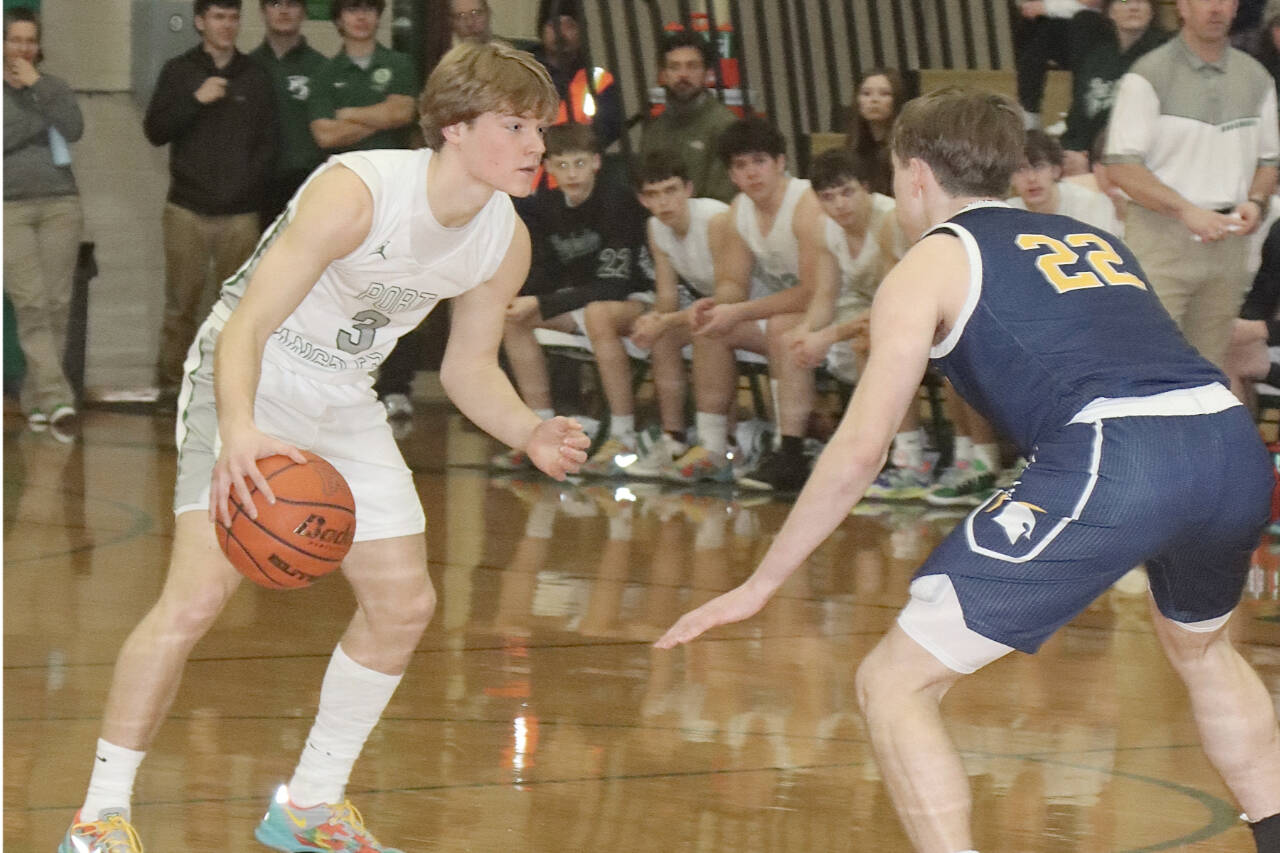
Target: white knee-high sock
111	783
352	699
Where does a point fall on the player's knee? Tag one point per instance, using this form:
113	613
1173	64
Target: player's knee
872	681
596	320
194	614
412	612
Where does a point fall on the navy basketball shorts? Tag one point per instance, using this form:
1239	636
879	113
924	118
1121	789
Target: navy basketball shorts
1187	495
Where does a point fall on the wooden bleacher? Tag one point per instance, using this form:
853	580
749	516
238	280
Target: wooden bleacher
1057	88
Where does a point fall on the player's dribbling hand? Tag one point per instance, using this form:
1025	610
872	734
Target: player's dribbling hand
558	446
739	603
237	462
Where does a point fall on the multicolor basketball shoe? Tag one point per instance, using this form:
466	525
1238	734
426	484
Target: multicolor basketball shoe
326	828
110	833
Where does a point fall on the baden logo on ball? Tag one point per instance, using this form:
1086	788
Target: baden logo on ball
303	536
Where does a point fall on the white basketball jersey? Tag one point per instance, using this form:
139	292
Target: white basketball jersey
860	276
364	302
690	255
778	252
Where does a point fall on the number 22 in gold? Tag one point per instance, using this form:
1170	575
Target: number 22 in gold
1102	257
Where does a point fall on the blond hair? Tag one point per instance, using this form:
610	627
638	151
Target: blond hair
971	140
472	79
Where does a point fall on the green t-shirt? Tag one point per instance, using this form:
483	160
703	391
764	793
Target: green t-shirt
342	83
295	76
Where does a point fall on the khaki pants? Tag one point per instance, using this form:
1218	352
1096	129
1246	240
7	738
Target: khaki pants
41	243
200	252
1202	285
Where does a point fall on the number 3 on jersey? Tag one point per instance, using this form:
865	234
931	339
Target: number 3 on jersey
366	325
1102	257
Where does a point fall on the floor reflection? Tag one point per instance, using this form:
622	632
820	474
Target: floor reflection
537	717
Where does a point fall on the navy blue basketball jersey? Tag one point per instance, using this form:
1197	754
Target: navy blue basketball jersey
1058	314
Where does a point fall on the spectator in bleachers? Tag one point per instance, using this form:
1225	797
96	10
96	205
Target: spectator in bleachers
216	109
1051	31
588	244
1039	186
1194	141
1131	33
295	67
868	121
364	98
1265	44
1254	354
682	231
693	117
472	20
593	98
42	218
770	212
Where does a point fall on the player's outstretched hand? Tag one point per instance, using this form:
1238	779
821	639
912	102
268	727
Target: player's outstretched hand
558	447
737	604
238	461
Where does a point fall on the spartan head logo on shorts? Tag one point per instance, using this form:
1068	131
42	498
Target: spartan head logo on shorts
1009	528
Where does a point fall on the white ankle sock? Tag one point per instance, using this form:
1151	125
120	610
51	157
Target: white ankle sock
908	449
963	450
545	414
352	699
988	455
713	431
111	784
623	428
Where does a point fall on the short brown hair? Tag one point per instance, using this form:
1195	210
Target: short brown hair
1041	149
972	140
472	79
563	138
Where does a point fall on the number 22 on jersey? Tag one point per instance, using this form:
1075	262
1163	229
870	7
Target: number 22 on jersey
1061	254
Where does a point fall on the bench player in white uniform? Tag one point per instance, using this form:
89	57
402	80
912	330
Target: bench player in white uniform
370	243
1141	455
856	243
682	230
769	213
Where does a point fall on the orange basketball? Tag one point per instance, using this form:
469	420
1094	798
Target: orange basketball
304	535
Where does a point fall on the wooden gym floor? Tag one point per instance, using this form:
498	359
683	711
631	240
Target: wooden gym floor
536	717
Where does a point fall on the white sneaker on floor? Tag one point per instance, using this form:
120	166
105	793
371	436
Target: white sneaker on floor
398	405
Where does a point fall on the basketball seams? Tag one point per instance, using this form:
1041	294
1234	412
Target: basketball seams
274	549
270	535
244	549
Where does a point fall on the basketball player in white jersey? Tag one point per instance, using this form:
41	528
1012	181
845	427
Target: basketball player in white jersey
855	244
364	250
682	230
769	213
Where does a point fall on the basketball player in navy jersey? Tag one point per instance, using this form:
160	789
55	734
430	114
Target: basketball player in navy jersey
366	248
1139	454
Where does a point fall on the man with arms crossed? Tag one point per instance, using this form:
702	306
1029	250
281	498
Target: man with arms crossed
288	351
1046	326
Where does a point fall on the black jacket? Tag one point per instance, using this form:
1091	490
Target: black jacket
595	251
221	154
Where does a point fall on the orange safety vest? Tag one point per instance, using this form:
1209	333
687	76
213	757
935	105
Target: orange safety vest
581	107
